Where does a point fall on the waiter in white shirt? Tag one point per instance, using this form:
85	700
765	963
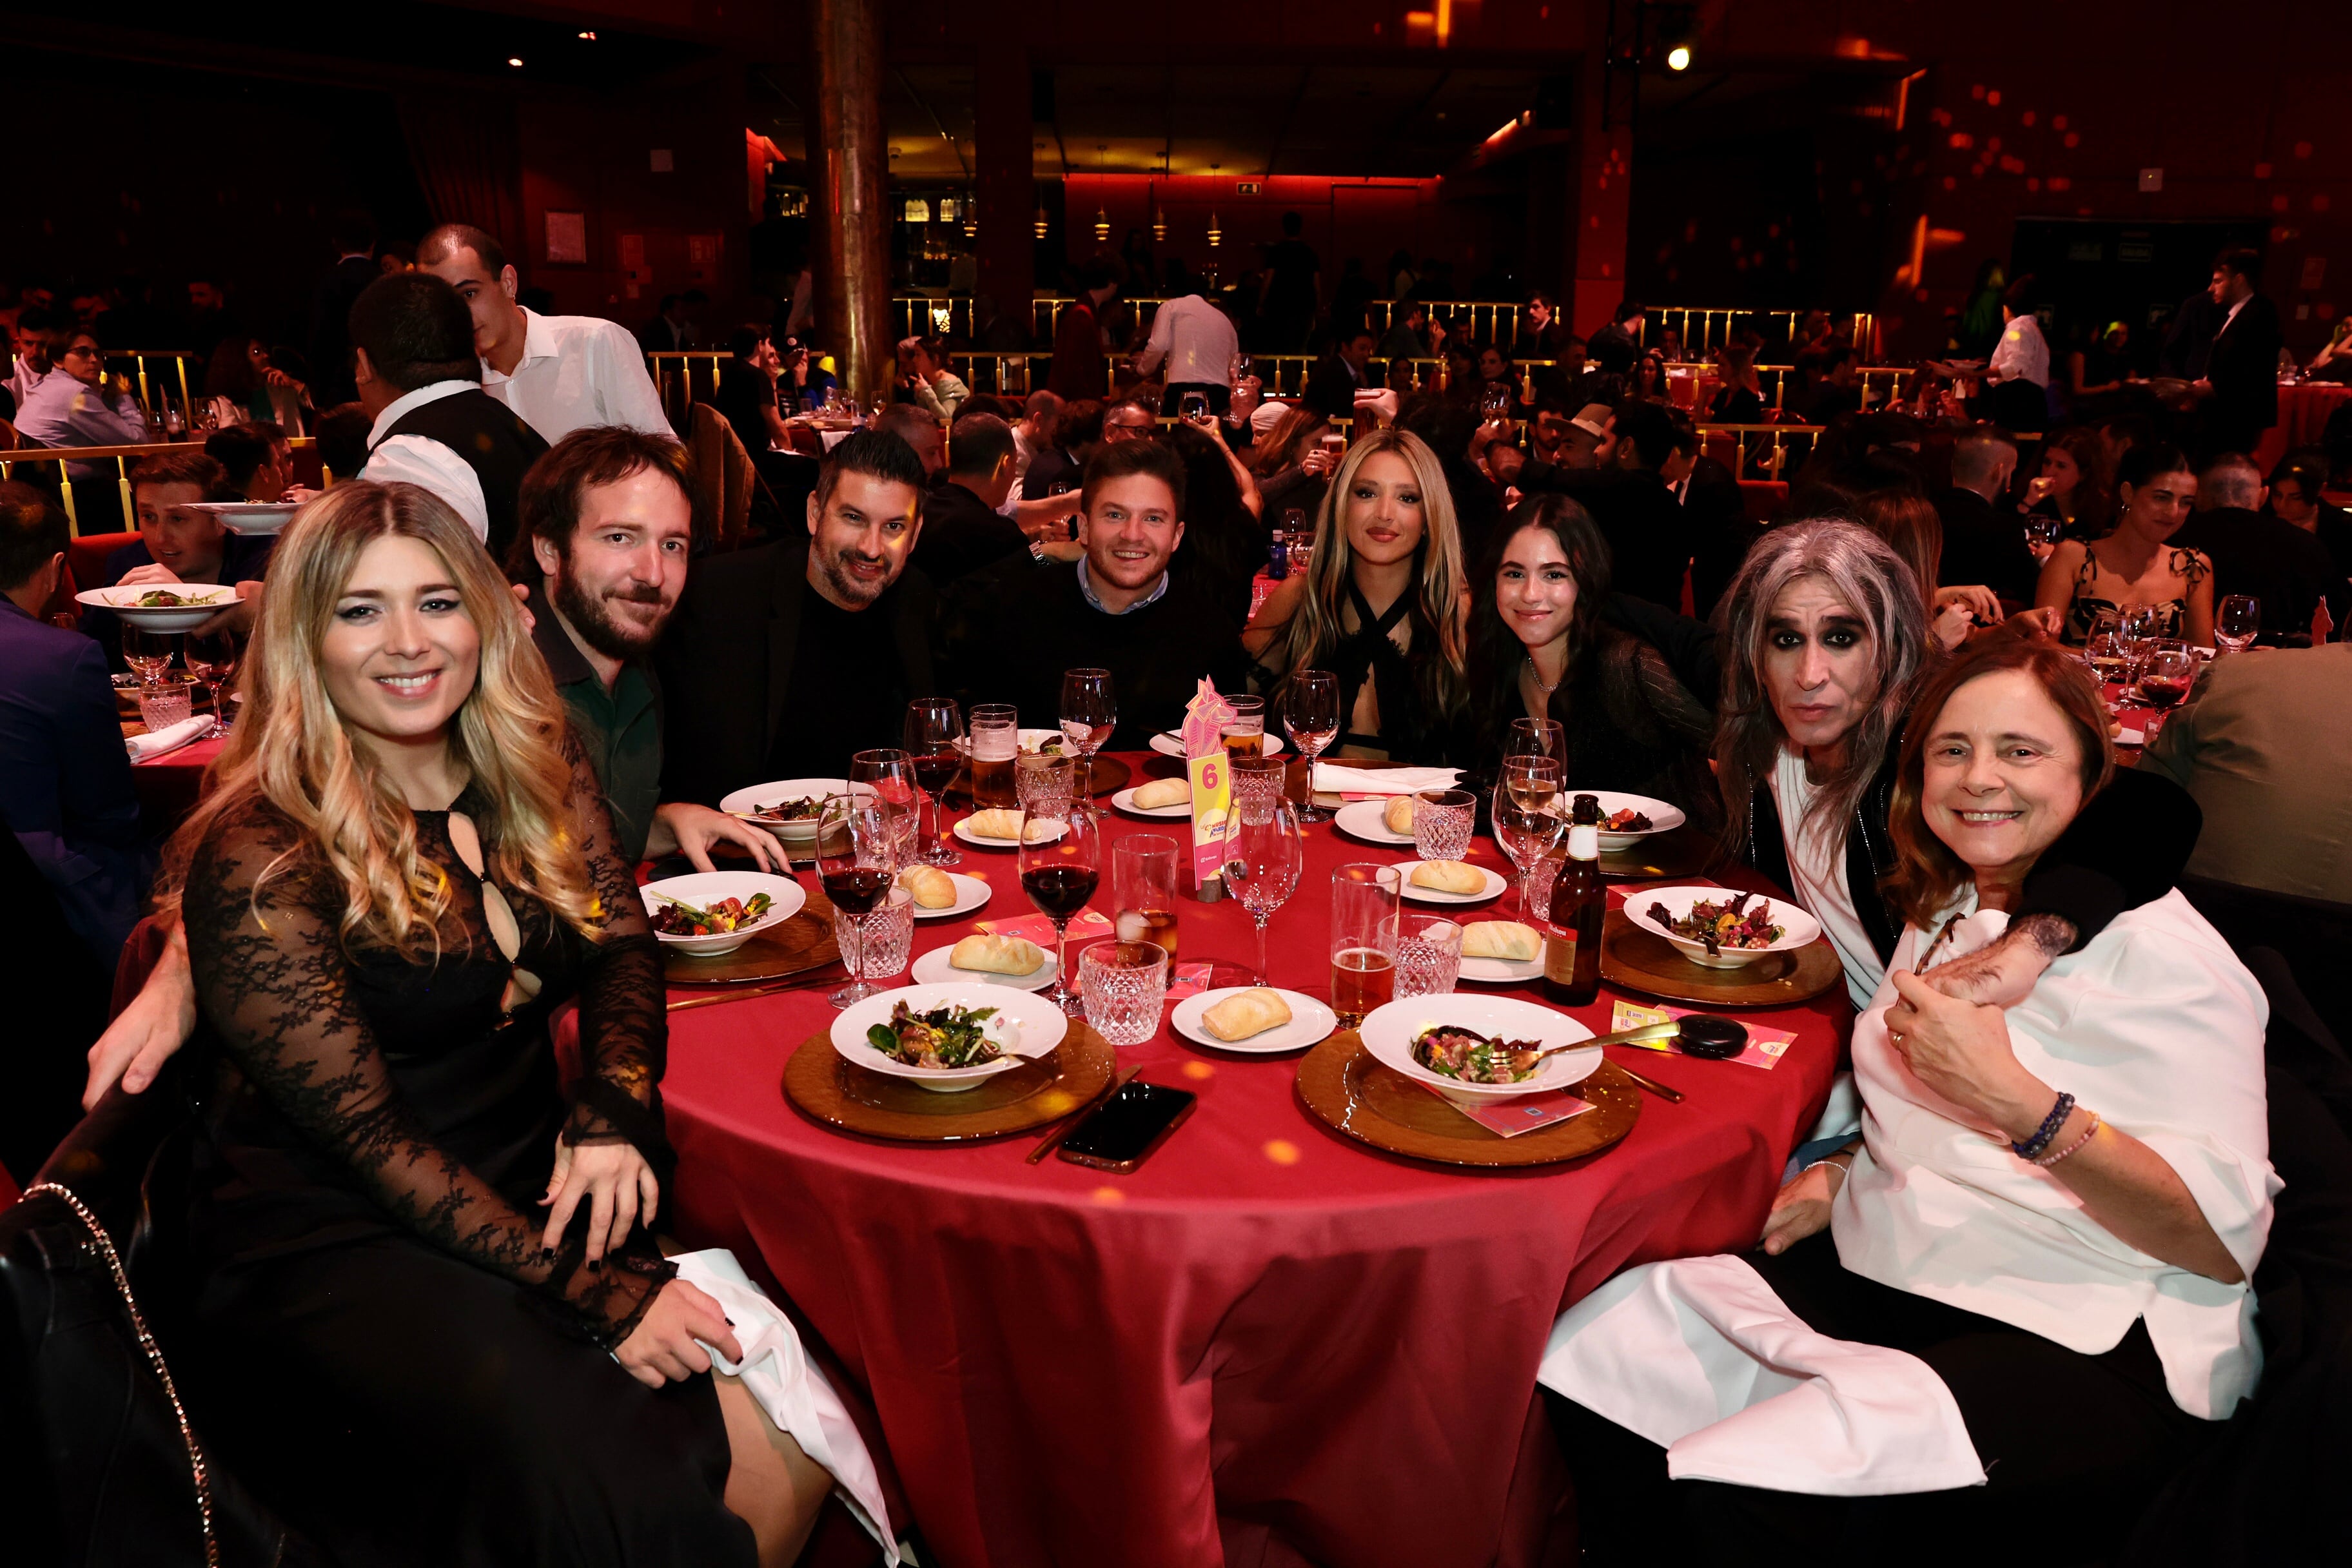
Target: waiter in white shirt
561	373
1197	343
412	356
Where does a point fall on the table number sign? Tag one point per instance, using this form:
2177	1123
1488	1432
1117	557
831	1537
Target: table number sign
1205	718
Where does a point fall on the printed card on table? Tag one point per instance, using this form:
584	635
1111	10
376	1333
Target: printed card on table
1509	1117
1089	926
1764	1046
1204	764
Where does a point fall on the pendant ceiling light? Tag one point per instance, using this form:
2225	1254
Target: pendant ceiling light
1215	234
1102	217
1042	220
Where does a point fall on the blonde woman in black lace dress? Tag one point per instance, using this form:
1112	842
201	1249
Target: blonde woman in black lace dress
430	1323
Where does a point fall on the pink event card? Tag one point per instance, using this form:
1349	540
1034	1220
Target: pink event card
1764	1046
1509	1117
1089	926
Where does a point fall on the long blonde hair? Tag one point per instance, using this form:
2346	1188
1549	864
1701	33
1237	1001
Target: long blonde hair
291	753
1438	625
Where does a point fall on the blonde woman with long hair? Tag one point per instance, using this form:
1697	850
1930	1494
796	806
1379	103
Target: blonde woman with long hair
403	869
1384	605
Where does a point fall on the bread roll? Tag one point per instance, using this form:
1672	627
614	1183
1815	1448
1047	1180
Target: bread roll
1449	876
1397	817
1246	1012
996	822
932	888
1501	939
1163	791
997	955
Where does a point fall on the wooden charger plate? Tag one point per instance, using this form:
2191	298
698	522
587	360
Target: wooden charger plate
1341	1083
1685	851
1643	960
802	943
855	1100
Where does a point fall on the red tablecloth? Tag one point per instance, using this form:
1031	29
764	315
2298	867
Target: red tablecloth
1272	1345
2304	409
168	786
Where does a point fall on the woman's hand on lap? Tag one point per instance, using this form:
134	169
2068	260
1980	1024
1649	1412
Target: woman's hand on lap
617	1185
662	1349
1802	1208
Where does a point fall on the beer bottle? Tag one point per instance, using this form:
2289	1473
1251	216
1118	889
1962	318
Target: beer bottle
1579	899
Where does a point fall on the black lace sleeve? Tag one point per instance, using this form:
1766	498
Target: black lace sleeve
624	1027
272	981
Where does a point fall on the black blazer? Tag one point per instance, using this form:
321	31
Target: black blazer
2243	369
1984	544
726	662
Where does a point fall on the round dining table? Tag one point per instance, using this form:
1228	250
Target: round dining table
1269	1345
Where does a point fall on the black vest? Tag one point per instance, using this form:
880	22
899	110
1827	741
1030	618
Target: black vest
493	441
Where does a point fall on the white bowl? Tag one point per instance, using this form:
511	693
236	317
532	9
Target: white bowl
743	803
1388	1030
254	517
1664	816
213	598
704	888
1798	928
1026	1026
1311	1021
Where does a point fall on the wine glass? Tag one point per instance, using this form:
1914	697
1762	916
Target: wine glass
1060	872
858	843
933	726
2140	626
211	658
1310	711
1264	850
1537	737
1089	714
148	653
1194	407
1528	819
2166	677
2237	621
889	773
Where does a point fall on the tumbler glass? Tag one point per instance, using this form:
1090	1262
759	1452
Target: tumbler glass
1123	984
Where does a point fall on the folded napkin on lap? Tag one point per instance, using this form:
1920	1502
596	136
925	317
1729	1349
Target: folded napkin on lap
1333	778
144	747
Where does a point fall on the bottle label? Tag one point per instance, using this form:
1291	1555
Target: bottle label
1559	956
1583	841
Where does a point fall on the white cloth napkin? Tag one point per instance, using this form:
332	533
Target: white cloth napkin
146	748
1332	778
791	1388
1699	1356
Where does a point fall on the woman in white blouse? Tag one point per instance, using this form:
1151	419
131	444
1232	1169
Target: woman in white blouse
2032	1298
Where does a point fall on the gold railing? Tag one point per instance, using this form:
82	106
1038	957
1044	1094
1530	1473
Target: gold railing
122	458
153	371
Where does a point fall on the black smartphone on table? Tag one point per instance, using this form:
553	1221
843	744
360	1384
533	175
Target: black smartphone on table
1122	1131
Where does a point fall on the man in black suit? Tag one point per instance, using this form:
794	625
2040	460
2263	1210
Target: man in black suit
330	308
1650	535
2240	386
1336	378
784	661
963	529
2288	569
1717	512
1984	542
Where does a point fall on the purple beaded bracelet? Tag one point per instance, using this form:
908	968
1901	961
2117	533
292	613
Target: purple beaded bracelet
2032	1147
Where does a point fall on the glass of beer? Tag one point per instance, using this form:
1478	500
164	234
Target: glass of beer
1245	732
1143	889
995	742
1365	906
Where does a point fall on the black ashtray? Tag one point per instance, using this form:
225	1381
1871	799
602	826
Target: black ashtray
1715	1038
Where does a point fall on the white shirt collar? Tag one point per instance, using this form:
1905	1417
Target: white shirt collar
431	392
538	342
2232	315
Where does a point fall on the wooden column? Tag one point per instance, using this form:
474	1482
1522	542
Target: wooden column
1006	181
852	225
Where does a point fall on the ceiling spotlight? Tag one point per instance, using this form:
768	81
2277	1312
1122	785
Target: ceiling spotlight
590	38
1678	58
515	61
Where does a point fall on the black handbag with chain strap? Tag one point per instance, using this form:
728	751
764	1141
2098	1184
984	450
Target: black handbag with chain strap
99	1461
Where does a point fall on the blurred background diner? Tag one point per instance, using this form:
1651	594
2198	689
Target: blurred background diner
576	584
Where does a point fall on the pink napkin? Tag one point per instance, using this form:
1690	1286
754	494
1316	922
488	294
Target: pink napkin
1509	1117
1764	1046
1189	980
1089	926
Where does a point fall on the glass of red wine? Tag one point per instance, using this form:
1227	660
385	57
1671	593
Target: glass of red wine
1061	864
2168	674
857	845
934	727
